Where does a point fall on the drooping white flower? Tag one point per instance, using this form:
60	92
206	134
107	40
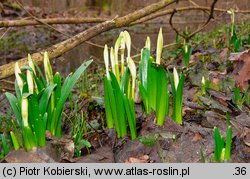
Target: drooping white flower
117	47
132	67
128	43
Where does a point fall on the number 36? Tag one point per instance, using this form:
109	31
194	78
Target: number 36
240	171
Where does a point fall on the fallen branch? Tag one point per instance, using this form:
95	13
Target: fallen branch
62	47
31	22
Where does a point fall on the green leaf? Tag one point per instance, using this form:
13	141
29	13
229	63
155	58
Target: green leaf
66	89
57	81
39	84
228	144
15	105
4	145
119	105
202	155
26	67
109	103
14	141
186	55
144	97
145	62
28	138
18	92
42	78
43	102
130	111
177	98
219	144
162	96
125	81
152	86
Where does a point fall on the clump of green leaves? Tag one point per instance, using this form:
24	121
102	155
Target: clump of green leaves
238	98
235	41
119	87
153	82
204	85
79	129
39	101
177	85
222	149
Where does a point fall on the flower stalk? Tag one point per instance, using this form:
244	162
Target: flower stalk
177	84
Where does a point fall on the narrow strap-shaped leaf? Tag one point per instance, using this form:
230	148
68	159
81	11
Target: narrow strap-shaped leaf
39	130
219	143
14	141
41	74
17	90
43	102
228	144
15	105
178	100
29	138
144	97
4	144
145	61
119	105
152	86
162	96
130	111
66	89
107	102
57	81
125	81
39	84
113	107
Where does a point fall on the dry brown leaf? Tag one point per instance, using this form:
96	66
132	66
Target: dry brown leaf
141	159
197	137
223	54
215	81
242	70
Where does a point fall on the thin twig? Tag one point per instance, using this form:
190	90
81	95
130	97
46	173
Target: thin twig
181	9
187	37
5	33
53	28
7	81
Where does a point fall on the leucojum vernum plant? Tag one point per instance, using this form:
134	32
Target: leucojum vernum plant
39	101
222	149
120	80
153	82
153	85
186	53
235	41
119	87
